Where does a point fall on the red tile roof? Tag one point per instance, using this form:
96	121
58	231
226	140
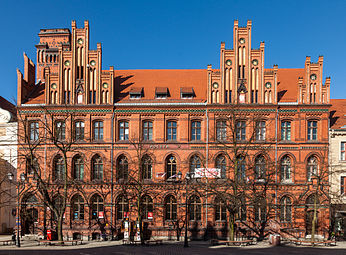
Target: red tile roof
288	84
337	113
150	80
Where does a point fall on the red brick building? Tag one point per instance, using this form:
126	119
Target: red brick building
179	117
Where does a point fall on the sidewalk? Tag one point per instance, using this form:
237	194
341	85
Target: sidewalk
33	245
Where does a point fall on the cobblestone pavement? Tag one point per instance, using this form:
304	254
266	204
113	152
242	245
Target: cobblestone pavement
168	248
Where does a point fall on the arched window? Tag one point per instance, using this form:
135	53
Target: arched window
285	209
146	168
260	210
312	167
241	168
170	208
286	169
195	162
260	167
220	209
78	168
311	200
171	166
96	202
32	165
58	168
195	208
77	207
147	206
122	207
221	164
96	168
122	168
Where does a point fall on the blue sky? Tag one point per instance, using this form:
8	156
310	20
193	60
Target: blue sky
180	34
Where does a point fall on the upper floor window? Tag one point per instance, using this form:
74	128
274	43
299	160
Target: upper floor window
78	168
195	130
312	167
98	130
79	130
241	168
343	185
260	210
221	134
171	166
146	168
96	168
60	130
286	130
58	168
33	131
195	162
312	130
260	130
285	209
171	130
342	151
260	167
286	168
241	130
147	130
221	164
123	130
122	168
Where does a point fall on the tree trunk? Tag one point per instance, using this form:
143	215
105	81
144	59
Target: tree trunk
231	228
313	227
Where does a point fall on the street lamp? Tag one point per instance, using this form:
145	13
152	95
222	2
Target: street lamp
187	178
22	179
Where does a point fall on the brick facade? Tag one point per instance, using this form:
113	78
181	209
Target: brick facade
179	111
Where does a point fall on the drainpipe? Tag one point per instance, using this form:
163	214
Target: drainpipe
276	160
112	184
206	165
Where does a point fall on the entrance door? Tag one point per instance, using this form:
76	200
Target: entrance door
30	216
308	222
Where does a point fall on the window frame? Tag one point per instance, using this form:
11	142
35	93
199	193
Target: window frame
34	131
122	206
147	130
241	130
96	168
147	168
170	208
196	127
171	130
147	206
261	130
342	151
171	166
194	208
286	166
310	166
312	129
122	168
60	132
343	185
78	168
123	130
98	130
77	202
286	129
221	130
220	210
96	207
79	129
286	209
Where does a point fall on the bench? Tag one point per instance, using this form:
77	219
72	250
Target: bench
228	243
8	242
301	242
156	242
50	242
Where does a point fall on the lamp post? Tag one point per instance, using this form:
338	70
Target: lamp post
22	179
187	178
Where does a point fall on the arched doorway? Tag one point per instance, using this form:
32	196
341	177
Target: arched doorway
309	215
29	214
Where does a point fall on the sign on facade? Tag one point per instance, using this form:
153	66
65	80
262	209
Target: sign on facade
208	172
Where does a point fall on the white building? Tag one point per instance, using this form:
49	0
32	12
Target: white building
8	163
337	164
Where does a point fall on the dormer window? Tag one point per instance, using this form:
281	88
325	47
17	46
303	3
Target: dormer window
187	93
136	93
161	92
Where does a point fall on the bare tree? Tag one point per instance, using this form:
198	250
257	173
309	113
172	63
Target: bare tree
48	130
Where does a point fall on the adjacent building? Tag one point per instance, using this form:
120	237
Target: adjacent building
337	161
175	121
8	164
